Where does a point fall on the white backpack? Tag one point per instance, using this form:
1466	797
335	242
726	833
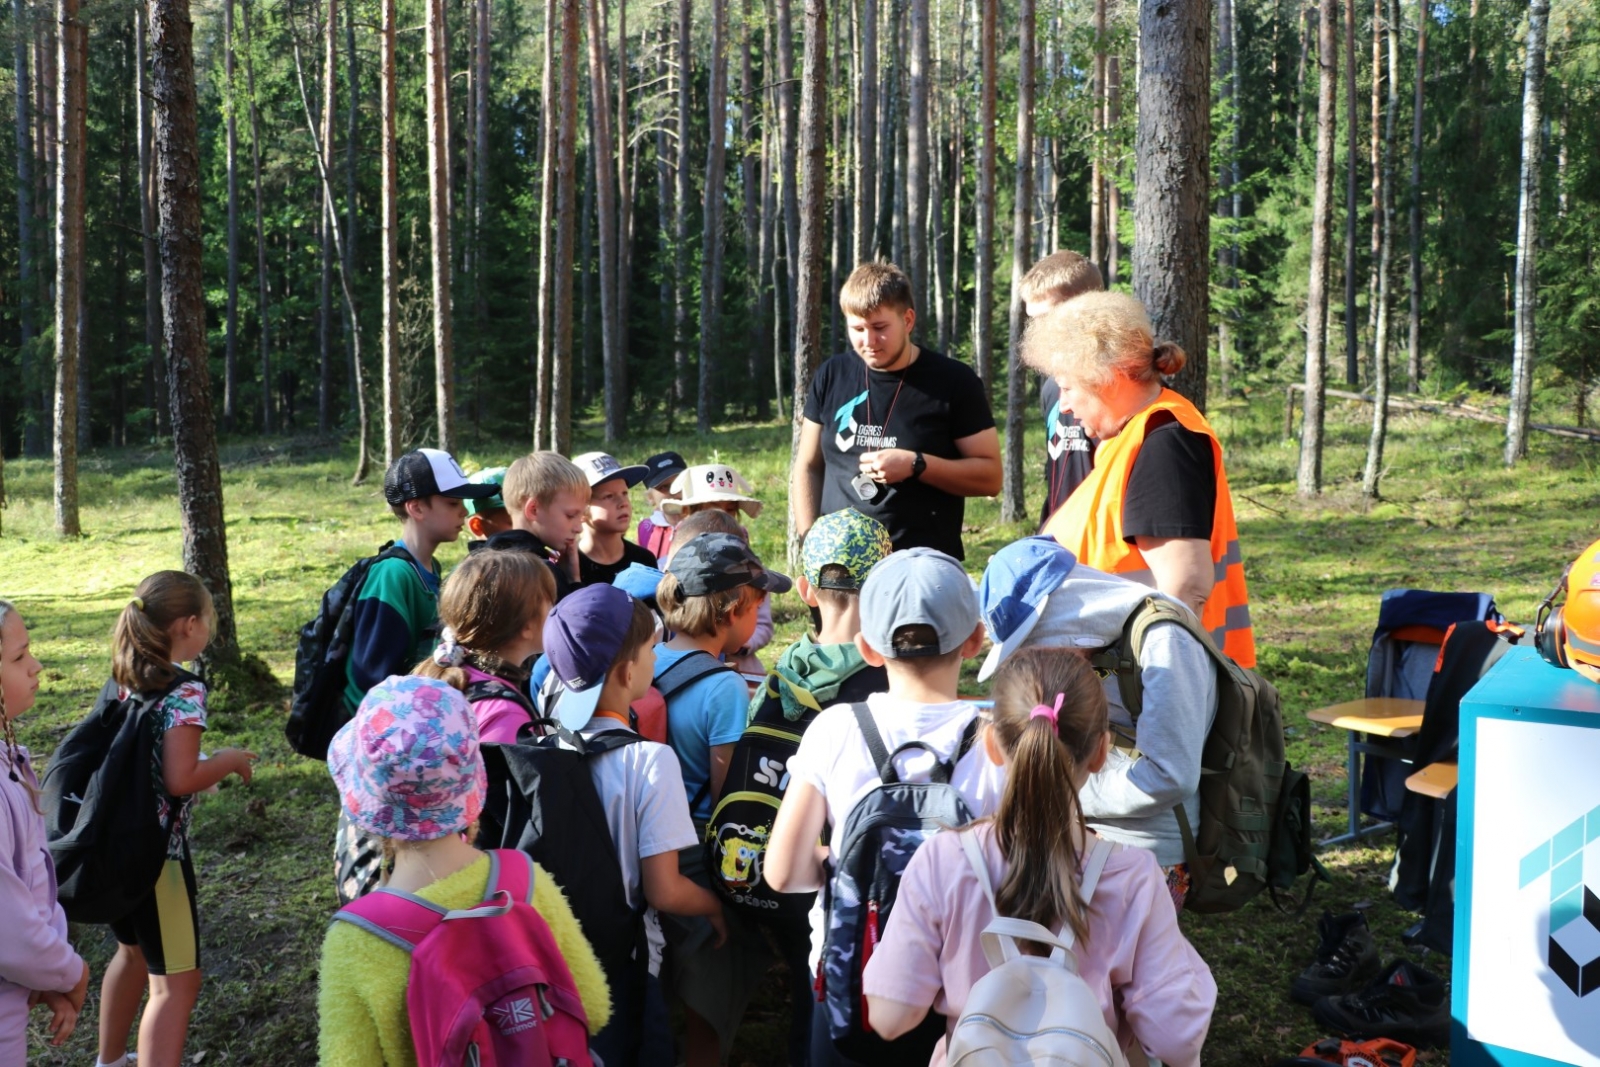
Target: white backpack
1032	1009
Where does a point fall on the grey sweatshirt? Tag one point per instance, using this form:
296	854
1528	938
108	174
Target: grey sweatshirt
1131	801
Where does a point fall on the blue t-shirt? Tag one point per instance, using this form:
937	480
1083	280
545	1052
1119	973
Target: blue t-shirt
707	713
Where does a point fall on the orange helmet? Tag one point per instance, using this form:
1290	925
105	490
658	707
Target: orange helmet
1570	636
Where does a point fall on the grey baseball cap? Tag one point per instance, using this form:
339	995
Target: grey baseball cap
918	586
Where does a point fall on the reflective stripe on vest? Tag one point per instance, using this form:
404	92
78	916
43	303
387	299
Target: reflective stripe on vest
1090	525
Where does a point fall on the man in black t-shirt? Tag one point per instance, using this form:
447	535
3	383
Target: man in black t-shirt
901	433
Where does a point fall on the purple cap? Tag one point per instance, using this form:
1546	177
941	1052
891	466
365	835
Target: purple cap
582	637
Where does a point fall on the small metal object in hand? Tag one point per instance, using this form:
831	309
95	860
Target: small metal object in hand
865	487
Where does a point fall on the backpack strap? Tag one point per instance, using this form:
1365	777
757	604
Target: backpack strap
974	854
1123	658
402	919
1000	937
497	689
883	759
687	671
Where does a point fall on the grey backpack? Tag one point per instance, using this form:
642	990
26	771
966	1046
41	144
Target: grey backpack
1032	1009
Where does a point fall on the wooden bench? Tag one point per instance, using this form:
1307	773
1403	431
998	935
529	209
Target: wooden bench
1373	725
1436	780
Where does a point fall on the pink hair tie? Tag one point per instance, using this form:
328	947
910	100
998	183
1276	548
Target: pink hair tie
1045	711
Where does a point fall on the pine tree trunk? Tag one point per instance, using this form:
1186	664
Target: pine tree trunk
389	195
72	130
1352	365
230	361
1097	181
1307	9
680	248
480	167
147	226
611	356
1013	501
751	156
194	431
1172	211
330	95
437	103
866	206
1374	165
550	114
25	250
1414	333
712	212
983	283
566	232
790	152
1310	475
1372	477
917	130
352	145
1524	336
263	311
813	252
626	161
1113	190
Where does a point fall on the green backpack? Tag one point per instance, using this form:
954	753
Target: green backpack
1255	809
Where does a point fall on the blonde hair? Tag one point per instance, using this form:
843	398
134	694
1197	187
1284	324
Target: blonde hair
875	285
486	602
8	732
141	641
701	616
1039	814
1097	336
1060	276
541	476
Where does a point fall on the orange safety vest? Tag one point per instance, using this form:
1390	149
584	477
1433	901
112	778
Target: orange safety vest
1090	525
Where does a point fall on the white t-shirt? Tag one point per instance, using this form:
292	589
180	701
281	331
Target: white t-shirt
641	790
833	759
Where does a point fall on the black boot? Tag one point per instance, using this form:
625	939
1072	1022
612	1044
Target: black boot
1347	959
1405	1003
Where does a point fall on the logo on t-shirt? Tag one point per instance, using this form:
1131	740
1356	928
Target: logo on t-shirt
1063	439
850	433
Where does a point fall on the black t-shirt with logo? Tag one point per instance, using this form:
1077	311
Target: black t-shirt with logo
1069	450
926	408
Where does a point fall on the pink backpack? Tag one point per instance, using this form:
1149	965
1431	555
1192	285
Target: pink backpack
488	986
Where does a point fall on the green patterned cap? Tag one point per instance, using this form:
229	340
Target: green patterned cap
490	476
848	538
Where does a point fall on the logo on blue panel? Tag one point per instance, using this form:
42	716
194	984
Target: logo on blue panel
1573	950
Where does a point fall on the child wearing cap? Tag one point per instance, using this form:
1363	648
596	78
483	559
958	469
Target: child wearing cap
599	644
408	772
603	550
919	621
709	597
488	516
655	532
546	494
718	487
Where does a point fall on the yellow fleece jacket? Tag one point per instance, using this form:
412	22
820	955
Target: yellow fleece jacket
361	1005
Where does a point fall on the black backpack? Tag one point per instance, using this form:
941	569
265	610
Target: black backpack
316	708
101	810
542	800
880	835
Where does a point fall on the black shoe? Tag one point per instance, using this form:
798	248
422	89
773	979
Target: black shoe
1347	959
1405	1003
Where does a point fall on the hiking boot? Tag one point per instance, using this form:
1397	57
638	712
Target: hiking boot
1347	959
1405	1003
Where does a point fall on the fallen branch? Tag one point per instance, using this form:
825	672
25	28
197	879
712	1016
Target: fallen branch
1435	407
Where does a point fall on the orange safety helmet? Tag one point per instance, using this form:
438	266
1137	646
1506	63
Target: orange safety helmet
1569	636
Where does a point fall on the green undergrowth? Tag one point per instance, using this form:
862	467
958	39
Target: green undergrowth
1451	517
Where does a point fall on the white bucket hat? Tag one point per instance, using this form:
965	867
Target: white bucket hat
710	483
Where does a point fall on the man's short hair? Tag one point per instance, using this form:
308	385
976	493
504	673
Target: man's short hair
1059	277
876	285
541	476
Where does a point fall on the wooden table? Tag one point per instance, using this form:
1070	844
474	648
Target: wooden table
1390	719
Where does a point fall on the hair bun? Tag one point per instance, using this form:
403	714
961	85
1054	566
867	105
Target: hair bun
1168	358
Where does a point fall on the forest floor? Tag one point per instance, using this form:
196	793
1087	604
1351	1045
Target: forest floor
1452	517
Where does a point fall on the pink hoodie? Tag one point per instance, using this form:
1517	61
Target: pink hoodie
499	719
35	952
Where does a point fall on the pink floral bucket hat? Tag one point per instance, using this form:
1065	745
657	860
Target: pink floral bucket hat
407	764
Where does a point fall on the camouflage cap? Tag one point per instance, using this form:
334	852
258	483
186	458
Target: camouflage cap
490	476
716	562
848	539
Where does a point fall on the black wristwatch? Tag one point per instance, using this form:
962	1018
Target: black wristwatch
918	465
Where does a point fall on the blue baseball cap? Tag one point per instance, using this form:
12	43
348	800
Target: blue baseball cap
1016	586
582	637
639	582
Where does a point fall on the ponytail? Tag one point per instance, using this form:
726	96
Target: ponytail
141	640
1049	718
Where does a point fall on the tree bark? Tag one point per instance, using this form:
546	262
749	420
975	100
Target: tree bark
388	195
751	158
983	283
1013	502
866	209
1113	190
1524	335
263	311
813	252
330	95
1307	9
1414	334
437	103
72	131
230	361
1310	474
625	184
1172	209
680	247
917	130
545	353
25	280
194	431
712	212
351	228
147	223
480	166
789	154
611	356
1371	478
566	232
1352	364
1097	183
